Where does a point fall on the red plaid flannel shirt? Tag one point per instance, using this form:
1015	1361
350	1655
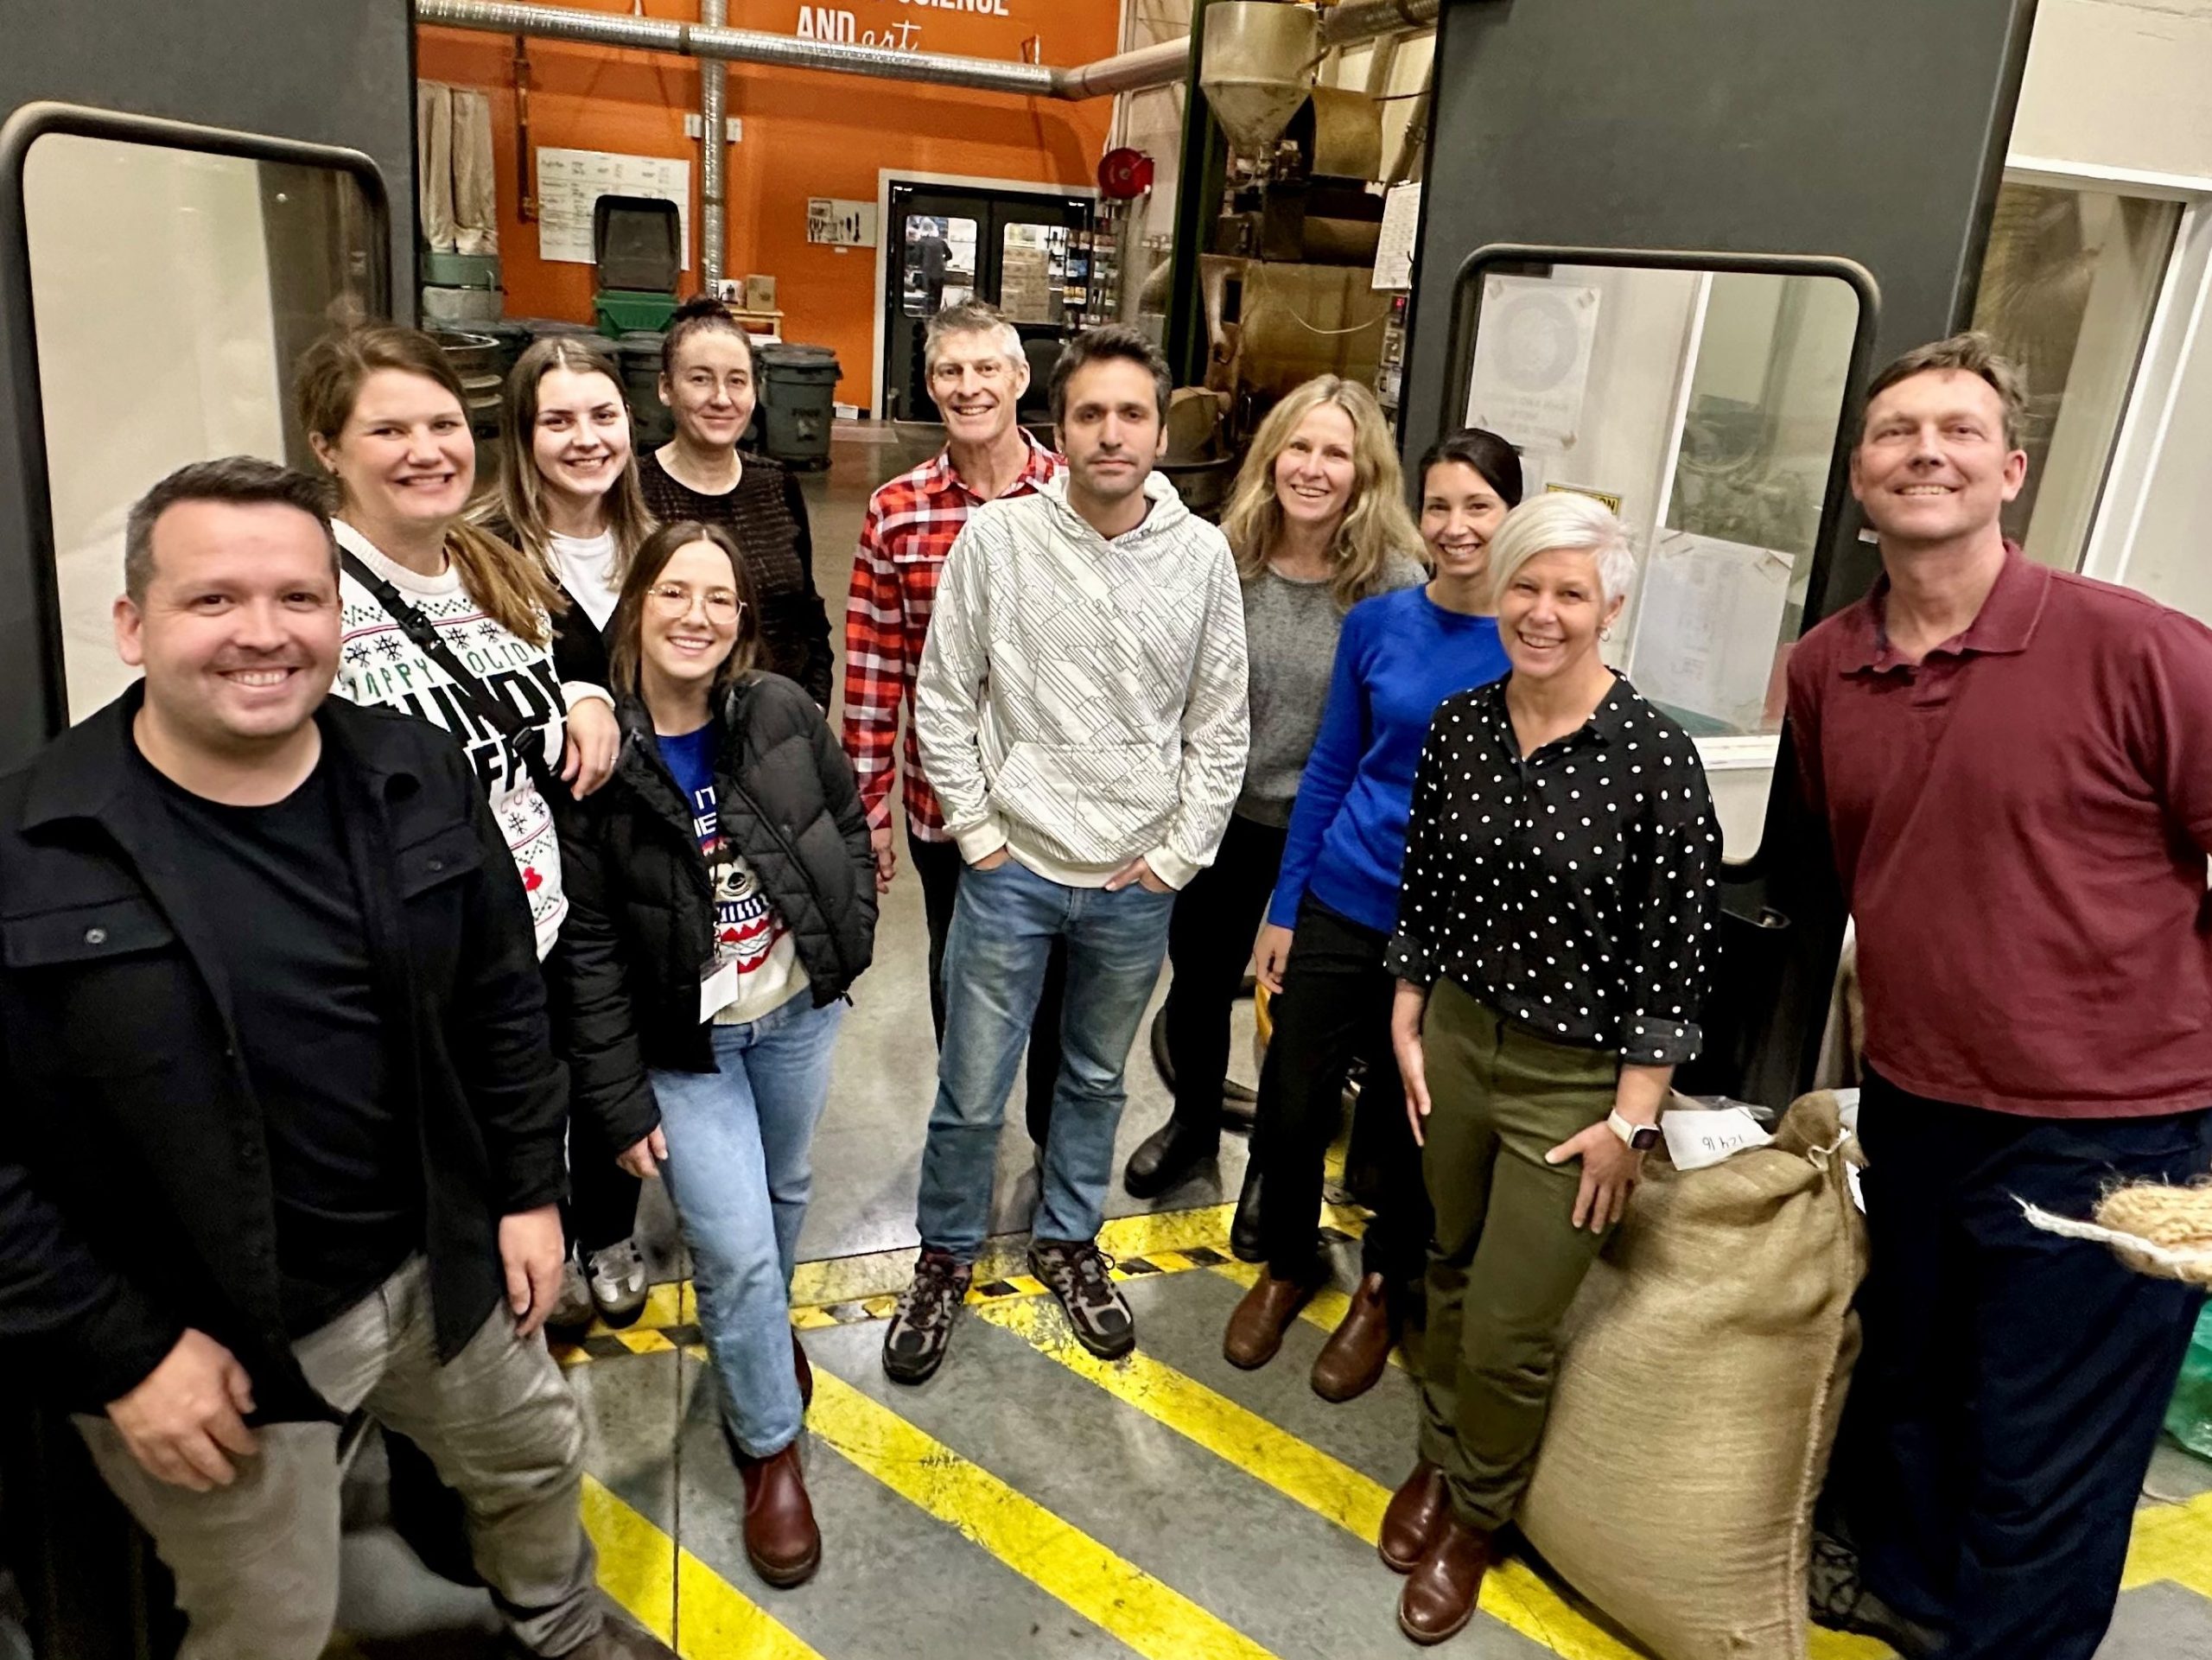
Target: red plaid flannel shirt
911	525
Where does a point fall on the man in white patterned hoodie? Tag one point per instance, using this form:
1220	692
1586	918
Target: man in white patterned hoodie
1082	716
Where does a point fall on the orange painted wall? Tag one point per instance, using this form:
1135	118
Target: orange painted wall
806	134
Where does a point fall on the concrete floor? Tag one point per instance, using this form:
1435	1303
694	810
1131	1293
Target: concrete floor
1031	1501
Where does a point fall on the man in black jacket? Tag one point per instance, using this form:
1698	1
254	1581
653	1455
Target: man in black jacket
280	1132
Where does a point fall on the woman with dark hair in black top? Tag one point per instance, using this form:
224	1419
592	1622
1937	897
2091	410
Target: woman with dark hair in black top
708	380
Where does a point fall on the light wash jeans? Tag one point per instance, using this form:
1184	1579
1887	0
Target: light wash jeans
1003	925
738	1170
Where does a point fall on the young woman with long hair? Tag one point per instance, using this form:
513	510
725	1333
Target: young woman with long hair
710	380
1336	900
724	894
1317	523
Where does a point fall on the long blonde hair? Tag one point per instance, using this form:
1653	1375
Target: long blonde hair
521	498
514	591
1376	526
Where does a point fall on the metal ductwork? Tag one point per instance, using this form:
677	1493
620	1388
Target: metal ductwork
1127	72
713	151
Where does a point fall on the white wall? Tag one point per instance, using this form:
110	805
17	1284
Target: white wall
2119	83
156	346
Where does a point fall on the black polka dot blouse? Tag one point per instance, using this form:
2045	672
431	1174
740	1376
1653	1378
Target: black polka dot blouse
1572	891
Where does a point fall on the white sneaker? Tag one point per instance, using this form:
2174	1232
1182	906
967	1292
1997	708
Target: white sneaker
572	1310
617	1276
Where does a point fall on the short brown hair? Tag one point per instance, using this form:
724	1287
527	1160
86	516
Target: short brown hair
1973	352
246	481
702	313
1101	344
626	628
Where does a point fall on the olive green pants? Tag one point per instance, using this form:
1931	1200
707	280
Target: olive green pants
1506	1260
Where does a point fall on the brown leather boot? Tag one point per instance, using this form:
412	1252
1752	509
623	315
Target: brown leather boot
781	1541
1353	1358
1441	1593
1414	1518
1255	1328
804	1371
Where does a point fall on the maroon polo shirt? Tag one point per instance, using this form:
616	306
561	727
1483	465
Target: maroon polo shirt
2021	823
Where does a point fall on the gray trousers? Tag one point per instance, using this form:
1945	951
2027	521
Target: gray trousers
257	1562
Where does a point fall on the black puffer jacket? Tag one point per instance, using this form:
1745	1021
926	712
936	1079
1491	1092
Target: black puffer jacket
641	921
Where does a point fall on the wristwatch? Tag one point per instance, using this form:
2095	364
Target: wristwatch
1642	1137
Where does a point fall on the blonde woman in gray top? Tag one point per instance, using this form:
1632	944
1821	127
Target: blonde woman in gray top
1318	523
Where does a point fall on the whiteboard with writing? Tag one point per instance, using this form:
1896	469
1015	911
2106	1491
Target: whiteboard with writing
570	182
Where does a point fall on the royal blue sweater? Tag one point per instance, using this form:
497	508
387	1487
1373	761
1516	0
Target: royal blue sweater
1399	656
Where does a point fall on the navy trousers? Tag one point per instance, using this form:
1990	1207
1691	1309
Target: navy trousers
2012	1383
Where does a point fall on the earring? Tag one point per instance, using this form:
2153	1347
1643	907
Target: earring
1606	633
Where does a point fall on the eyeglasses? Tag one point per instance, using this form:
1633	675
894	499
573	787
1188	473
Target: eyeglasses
989	370
673	600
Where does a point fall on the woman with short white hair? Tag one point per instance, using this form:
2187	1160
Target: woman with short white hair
1553	935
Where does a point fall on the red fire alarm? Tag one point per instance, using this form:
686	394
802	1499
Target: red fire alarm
1123	174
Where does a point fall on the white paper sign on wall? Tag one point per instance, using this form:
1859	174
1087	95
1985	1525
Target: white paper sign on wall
845	224
569	181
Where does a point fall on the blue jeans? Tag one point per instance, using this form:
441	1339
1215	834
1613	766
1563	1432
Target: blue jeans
738	1172
1003	926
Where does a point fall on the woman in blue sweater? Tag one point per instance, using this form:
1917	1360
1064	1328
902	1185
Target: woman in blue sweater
1336	902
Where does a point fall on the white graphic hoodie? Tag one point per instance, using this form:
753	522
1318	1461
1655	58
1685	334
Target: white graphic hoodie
1081	701
378	665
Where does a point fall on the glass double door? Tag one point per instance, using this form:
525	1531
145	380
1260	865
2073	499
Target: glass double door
1017	250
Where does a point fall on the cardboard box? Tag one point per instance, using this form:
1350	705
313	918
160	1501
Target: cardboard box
759	294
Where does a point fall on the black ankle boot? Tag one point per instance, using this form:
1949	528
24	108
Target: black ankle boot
1167	1157
1244	1242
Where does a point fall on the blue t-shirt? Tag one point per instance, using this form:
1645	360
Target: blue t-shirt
1398	657
748	930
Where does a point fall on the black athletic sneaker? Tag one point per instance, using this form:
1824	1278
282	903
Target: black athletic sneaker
1077	1273
921	1327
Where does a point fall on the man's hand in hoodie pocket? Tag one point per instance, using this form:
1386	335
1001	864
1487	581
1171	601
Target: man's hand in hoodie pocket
1138	872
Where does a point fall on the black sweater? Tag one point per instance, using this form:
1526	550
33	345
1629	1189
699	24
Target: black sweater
641	917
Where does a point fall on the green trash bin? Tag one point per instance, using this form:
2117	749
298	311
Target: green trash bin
799	396
2188	1420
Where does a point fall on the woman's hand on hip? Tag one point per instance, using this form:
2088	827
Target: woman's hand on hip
1268	956
594	740
1413	1060
645	1159
1611	1169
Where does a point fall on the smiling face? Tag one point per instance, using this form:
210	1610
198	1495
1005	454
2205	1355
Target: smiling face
237	629
1550	612
1461	511
1314	473
1110	431
1934	465
690	621
710	390
404	455
580	439
976	386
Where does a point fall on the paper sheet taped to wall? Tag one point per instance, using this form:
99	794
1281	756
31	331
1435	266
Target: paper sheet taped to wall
569	181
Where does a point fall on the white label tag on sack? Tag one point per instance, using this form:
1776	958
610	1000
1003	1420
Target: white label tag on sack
1704	1137
717	991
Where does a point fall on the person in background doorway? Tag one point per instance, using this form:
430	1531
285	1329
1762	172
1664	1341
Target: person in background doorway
1082	711
977	373
283	1129
1550	961
724	902
569	498
710	380
446	622
1317	523
2014	764
1335	901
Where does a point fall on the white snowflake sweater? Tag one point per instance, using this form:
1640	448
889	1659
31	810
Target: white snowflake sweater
378	665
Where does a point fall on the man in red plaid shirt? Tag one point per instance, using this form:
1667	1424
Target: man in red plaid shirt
977	373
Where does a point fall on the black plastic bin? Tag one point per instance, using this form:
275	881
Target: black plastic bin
798	396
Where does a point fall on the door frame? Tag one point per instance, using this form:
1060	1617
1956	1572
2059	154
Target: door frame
887	176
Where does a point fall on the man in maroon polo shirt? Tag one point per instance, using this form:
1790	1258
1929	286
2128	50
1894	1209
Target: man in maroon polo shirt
2015	766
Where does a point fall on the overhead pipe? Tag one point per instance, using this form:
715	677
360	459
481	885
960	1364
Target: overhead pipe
1127	72
713	151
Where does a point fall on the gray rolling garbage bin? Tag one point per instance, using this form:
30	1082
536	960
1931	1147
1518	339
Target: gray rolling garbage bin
799	391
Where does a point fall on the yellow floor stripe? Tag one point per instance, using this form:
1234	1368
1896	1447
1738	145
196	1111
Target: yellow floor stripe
641	1569
1326	1308
1121	1599
1513	1593
2172	1542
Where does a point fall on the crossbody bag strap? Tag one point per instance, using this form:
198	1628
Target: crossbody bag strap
522	738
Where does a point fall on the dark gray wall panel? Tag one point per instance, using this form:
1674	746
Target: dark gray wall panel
327	72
